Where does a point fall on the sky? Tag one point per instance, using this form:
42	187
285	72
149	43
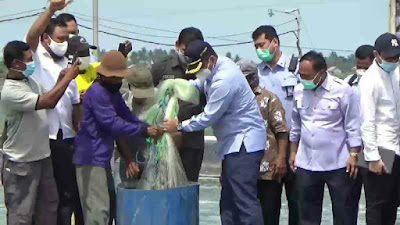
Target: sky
332	24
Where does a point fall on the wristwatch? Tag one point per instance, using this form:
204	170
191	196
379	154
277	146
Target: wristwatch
354	154
179	126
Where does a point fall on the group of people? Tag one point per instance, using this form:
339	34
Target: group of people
275	126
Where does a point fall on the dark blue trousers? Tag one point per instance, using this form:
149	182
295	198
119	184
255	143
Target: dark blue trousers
239	203
311	185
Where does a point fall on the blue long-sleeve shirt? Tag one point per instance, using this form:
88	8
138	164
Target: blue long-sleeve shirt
105	118
326	124
231	110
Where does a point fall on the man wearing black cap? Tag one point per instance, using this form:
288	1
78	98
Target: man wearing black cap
191	145
380	127
233	112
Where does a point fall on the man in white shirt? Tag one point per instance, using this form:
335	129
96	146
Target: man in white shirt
48	40
380	126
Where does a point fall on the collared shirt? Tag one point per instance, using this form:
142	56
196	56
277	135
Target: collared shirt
105	118
170	68
231	110
281	82
47	73
275	122
380	111
326	122
27	128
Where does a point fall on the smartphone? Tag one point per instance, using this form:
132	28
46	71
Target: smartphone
121	48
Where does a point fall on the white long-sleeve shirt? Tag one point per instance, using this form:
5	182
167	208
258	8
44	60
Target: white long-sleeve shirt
380	111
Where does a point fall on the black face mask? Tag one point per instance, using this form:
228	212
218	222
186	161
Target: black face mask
113	88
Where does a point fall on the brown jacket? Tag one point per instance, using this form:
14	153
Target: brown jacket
273	114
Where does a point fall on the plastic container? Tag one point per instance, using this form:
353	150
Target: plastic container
176	206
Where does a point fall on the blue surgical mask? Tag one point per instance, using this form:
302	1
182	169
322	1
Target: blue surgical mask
388	67
30	68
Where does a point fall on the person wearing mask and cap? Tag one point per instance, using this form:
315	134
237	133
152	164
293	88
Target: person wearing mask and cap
47	39
324	141
190	145
233	112
380	124
364	59
273	114
274	76
106	118
80	49
141	97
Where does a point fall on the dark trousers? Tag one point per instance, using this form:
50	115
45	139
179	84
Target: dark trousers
191	160
310	187
291	195
269	193
239	203
62	152
353	199
382	196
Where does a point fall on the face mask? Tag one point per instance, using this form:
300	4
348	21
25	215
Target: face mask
360	72
181	57
388	67
85	62
30	68
309	84
265	54
58	48
203	74
71	35
113	88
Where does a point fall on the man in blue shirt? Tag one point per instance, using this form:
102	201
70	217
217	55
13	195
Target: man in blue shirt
275	77
233	112
325	140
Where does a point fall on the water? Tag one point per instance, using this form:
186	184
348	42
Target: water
209	205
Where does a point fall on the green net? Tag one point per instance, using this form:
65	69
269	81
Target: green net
164	168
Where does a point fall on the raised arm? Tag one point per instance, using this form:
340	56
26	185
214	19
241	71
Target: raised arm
38	28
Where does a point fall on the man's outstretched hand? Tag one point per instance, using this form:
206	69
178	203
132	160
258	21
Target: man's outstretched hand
155	131
171	125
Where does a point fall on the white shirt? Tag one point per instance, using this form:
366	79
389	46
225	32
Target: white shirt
380	111
47	72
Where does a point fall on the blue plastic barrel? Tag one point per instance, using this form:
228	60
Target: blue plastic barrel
177	206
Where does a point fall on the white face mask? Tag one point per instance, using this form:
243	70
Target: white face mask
58	48
85	62
360	72
203	74
181	57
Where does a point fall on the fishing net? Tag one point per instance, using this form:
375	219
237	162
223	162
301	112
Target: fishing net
164	167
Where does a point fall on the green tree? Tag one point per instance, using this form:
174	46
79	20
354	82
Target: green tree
229	55
237	58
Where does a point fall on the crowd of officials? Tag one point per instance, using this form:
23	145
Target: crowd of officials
276	127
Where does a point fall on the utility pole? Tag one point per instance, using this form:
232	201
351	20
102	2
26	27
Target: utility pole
96	25
392	16
296	14
298	18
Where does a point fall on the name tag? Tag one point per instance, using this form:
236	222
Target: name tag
166	77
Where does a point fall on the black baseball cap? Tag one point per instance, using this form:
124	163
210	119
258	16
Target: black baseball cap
196	51
78	44
388	44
